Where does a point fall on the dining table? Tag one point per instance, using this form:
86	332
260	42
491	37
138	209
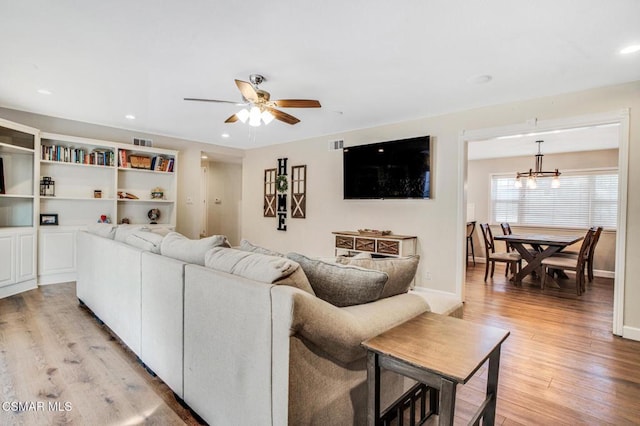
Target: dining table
543	246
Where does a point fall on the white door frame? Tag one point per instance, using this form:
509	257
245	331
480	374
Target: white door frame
620	117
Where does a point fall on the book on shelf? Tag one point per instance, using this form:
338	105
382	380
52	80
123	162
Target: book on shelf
65	154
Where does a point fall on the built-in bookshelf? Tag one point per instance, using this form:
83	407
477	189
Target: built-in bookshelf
18	207
95	179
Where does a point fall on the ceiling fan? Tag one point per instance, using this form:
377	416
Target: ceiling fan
262	108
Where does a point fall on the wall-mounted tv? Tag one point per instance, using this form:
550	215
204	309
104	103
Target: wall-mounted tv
393	169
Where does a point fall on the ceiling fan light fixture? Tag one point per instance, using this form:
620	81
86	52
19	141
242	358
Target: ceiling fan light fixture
267	117
243	115
254	116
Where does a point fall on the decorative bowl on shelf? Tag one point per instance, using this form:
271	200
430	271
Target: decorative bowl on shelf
373	232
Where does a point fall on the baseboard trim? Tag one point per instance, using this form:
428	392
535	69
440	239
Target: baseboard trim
57	278
16	288
632	333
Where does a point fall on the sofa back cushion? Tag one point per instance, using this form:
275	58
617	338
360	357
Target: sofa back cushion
341	285
247	246
145	240
179	247
106	230
258	267
401	271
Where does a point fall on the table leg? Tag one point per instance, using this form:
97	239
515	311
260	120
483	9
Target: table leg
373	389
492	387
447	402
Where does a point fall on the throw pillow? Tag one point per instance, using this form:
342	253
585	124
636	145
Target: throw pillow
247	246
106	230
145	240
179	247
341	285
401	271
258	267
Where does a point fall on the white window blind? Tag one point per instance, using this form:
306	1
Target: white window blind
585	198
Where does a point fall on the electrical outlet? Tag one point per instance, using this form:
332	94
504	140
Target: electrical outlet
427	276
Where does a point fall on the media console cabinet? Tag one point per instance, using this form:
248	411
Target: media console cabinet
389	245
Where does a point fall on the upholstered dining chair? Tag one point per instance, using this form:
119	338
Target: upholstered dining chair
592	250
568	263
491	256
471	229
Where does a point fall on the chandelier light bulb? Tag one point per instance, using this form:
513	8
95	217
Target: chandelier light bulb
518	183
531	182
555	182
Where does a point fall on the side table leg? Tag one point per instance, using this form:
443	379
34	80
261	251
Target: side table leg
373	389
447	402
492	386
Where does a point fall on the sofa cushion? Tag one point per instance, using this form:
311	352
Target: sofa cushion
145	240
124	230
179	247
341	285
106	230
258	267
247	246
401	271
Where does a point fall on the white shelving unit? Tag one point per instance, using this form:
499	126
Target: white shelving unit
18	207
77	177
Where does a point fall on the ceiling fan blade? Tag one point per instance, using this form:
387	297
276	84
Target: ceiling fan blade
247	90
283	116
231	119
212	100
297	103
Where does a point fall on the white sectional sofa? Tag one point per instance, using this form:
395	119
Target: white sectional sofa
235	349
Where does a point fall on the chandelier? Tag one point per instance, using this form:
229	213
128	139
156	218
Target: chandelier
533	174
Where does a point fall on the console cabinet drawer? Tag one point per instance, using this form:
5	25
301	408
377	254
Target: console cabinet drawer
365	244
344	242
388	247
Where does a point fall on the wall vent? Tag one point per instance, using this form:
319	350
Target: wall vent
336	145
142	142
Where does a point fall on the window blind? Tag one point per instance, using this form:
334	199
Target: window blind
585	198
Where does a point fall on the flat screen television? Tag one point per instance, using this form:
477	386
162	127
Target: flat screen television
394	169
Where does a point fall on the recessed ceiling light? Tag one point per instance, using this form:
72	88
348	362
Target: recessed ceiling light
225	135
630	49
44	91
480	79
130	117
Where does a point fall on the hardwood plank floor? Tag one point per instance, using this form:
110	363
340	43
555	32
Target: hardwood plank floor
52	351
560	366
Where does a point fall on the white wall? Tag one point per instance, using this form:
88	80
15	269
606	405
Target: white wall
435	222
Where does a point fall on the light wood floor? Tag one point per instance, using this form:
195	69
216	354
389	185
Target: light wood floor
560	366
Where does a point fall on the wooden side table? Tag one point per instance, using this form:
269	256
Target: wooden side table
441	352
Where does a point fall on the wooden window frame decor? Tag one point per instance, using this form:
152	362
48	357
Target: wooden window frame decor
299	192
270	193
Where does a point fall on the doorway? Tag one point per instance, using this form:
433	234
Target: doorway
533	128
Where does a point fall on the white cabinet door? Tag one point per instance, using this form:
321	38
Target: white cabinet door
7	260
56	256
26	261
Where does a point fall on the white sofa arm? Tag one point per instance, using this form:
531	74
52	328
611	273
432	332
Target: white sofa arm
340	331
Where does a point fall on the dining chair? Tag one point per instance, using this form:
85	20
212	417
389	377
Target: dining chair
471	229
592	250
506	230
491	256
567	263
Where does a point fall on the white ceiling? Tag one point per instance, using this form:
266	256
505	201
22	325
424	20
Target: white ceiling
368	62
591	138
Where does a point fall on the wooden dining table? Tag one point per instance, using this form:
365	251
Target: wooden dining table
543	245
